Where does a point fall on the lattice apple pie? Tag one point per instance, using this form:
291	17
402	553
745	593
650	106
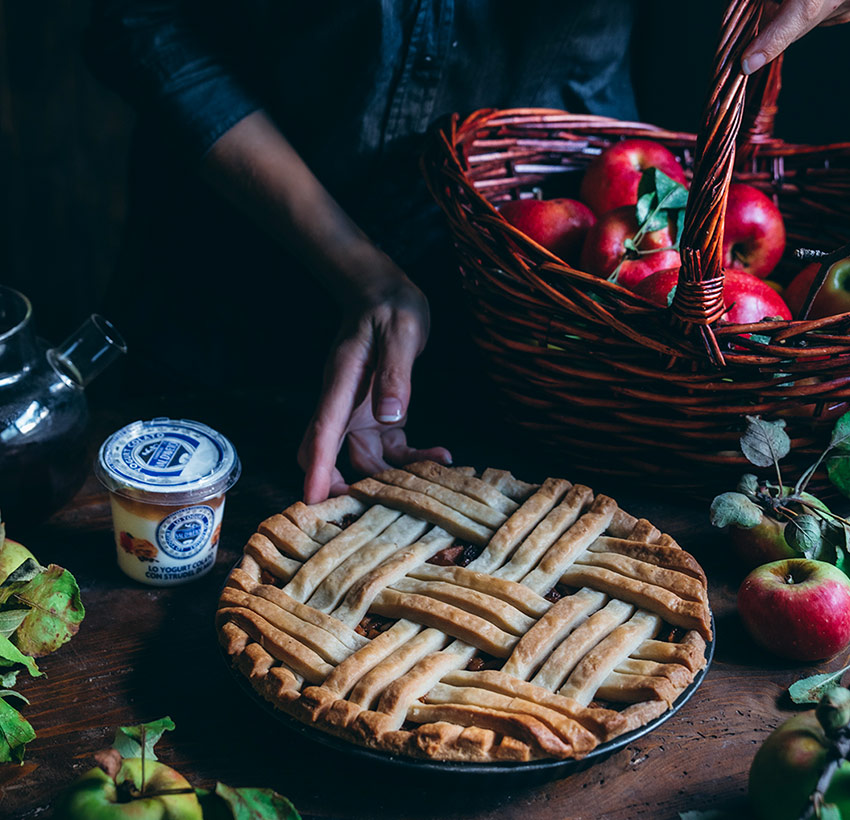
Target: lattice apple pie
436	613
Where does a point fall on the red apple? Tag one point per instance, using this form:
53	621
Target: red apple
747	298
753	231
833	297
604	249
611	180
786	769
559	225
797	608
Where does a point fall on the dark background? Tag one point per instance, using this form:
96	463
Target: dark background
63	138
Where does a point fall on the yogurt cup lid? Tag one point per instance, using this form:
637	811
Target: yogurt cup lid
167	461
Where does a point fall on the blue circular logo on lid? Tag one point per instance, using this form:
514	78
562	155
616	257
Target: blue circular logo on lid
186	532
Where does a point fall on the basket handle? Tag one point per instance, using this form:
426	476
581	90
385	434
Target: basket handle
698	301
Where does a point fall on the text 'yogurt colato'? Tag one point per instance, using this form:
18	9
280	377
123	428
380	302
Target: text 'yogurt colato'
167	479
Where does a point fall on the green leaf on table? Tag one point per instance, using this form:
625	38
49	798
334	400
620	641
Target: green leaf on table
765	442
803	534
57	611
18	579
735	508
812	689
12	655
708	814
15	733
130	740
8	677
227	803
11	619
11	693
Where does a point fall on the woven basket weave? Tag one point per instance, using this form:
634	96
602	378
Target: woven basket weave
616	384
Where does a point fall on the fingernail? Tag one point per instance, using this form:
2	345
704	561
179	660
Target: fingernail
389	410
753	63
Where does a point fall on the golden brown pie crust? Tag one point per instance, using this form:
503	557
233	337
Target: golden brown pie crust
596	620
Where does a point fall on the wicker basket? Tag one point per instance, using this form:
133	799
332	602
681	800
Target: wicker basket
616	384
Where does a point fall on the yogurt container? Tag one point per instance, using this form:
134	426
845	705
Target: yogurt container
167	479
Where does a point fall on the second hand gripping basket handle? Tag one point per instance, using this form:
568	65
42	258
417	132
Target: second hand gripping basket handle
698	301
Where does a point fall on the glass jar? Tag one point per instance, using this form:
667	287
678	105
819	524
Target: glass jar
43	410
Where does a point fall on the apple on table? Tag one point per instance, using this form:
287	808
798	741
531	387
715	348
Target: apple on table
786	769
612	179
797	608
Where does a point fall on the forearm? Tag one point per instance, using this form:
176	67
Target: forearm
255	167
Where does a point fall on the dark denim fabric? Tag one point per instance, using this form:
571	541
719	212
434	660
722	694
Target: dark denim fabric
353	84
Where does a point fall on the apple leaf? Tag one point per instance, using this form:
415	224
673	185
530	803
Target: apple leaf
12	655
841	433
138	741
56	611
708	814
838	470
11	619
227	803
764	443
836	539
803	534
8	677
658	196
829	811
672	295
15	733
735	508
18	579
812	689
644	205
748	484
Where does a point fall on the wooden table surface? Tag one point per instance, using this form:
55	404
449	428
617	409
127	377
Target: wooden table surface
144	652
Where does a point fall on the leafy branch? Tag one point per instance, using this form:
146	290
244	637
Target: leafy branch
811	529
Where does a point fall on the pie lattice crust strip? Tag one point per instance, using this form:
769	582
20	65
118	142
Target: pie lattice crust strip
572	623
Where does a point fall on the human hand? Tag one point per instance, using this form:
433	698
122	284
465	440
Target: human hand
791	19
367	389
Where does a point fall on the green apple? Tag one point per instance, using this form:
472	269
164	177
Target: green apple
96	796
765	542
786	769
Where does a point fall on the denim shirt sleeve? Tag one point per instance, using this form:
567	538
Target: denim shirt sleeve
159	57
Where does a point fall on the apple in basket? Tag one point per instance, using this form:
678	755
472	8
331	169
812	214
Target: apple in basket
833	297
559	225
753	231
604	248
612	179
746	297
